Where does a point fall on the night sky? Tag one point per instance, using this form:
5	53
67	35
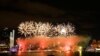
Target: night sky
84	17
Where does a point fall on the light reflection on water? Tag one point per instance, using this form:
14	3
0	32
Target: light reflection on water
41	53
45	54
51	54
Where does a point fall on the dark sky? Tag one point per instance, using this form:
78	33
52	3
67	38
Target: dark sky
85	16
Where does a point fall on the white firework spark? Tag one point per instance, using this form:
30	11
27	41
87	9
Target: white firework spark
65	30
30	28
60	28
70	28
42	28
26	28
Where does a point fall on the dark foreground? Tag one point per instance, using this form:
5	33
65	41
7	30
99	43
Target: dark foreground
50	54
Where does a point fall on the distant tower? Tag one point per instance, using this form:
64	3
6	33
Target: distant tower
12	35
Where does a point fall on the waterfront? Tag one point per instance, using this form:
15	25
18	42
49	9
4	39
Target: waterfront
50	54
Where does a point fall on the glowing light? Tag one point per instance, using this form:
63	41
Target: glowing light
68	48
80	50
70	28
30	28
14	49
65	30
67	45
26	28
40	33
42	28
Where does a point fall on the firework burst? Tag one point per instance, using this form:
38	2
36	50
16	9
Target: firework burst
26	28
70	28
65	30
42	28
30	28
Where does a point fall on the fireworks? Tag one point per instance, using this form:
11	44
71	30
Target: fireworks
70	28
26	28
63	29
30	28
42	28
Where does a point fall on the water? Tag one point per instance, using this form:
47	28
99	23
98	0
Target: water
49	54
